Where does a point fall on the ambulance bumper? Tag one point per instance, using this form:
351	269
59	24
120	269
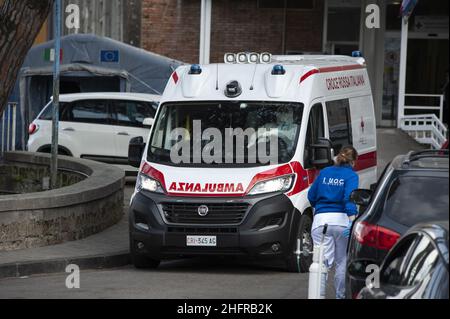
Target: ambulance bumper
159	231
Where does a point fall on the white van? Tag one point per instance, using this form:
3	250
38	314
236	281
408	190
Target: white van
203	200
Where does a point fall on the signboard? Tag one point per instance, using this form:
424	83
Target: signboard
431	24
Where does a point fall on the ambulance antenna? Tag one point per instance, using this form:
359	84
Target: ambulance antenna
217	77
253	78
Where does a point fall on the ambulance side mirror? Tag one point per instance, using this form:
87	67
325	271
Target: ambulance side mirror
148	122
135	150
321	153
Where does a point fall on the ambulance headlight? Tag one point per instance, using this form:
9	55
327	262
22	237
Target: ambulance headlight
143	182
279	184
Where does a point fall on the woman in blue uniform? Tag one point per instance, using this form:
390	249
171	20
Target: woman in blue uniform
330	197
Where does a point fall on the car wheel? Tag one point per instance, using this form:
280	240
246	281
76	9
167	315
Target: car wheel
141	261
303	243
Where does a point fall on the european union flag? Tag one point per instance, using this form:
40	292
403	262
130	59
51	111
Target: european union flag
109	56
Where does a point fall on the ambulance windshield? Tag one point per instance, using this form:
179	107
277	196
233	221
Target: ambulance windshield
225	133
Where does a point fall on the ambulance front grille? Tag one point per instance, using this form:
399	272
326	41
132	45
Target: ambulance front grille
218	213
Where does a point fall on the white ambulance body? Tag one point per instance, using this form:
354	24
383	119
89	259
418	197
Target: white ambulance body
180	210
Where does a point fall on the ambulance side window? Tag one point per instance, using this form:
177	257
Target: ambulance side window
315	130
339	123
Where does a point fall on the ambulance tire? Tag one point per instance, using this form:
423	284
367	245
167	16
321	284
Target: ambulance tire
141	261
303	229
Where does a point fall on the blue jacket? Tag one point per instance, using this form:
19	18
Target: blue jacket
330	192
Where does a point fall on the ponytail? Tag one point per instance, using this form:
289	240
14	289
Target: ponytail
347	156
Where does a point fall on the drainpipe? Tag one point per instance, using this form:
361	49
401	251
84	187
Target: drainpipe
205	31
402	77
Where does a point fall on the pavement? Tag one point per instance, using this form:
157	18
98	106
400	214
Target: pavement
109	249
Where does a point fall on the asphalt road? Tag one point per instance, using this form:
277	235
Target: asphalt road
180	279
193	278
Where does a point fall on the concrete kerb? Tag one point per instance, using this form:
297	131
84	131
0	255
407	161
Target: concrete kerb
29	268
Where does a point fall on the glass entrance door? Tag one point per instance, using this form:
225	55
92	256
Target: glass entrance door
427	68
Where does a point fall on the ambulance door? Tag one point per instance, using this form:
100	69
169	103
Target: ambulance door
315	130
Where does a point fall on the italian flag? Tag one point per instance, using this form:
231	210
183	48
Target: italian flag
49	55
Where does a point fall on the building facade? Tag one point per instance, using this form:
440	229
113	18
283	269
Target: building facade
172	28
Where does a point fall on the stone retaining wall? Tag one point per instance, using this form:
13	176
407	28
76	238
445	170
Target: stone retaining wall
68	213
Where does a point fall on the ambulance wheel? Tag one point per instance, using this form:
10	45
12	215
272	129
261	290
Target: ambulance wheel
306	247
141	261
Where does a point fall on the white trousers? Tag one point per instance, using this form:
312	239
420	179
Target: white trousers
335	253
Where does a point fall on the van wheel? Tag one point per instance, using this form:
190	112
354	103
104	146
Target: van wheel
141	261
301	265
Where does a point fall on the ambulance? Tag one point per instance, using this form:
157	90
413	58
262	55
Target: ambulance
233	150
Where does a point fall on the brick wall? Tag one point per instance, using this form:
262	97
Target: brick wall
171	28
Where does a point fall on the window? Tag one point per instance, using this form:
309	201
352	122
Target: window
411	262
430	200
64	110
132	113
285	118
315	130
394	267
90	111
422	261
339	123
289	4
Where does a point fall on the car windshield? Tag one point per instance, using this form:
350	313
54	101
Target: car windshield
225	133
414	199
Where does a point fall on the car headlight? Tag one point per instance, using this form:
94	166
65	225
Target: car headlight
143	182
279	184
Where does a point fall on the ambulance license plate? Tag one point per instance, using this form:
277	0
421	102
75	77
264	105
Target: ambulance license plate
206	241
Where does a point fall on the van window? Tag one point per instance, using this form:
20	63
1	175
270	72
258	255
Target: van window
339	123
315	130
132	113
90	111
282	121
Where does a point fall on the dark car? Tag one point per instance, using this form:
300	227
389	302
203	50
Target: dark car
415	268
412	189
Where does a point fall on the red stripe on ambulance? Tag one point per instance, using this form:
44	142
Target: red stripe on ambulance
331	69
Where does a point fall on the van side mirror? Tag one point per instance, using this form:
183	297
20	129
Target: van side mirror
135	150
148	122
321	153
361	197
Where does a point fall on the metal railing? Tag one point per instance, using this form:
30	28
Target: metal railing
427	109
8	128
425	129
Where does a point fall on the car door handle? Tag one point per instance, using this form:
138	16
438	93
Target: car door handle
69	129
123	133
